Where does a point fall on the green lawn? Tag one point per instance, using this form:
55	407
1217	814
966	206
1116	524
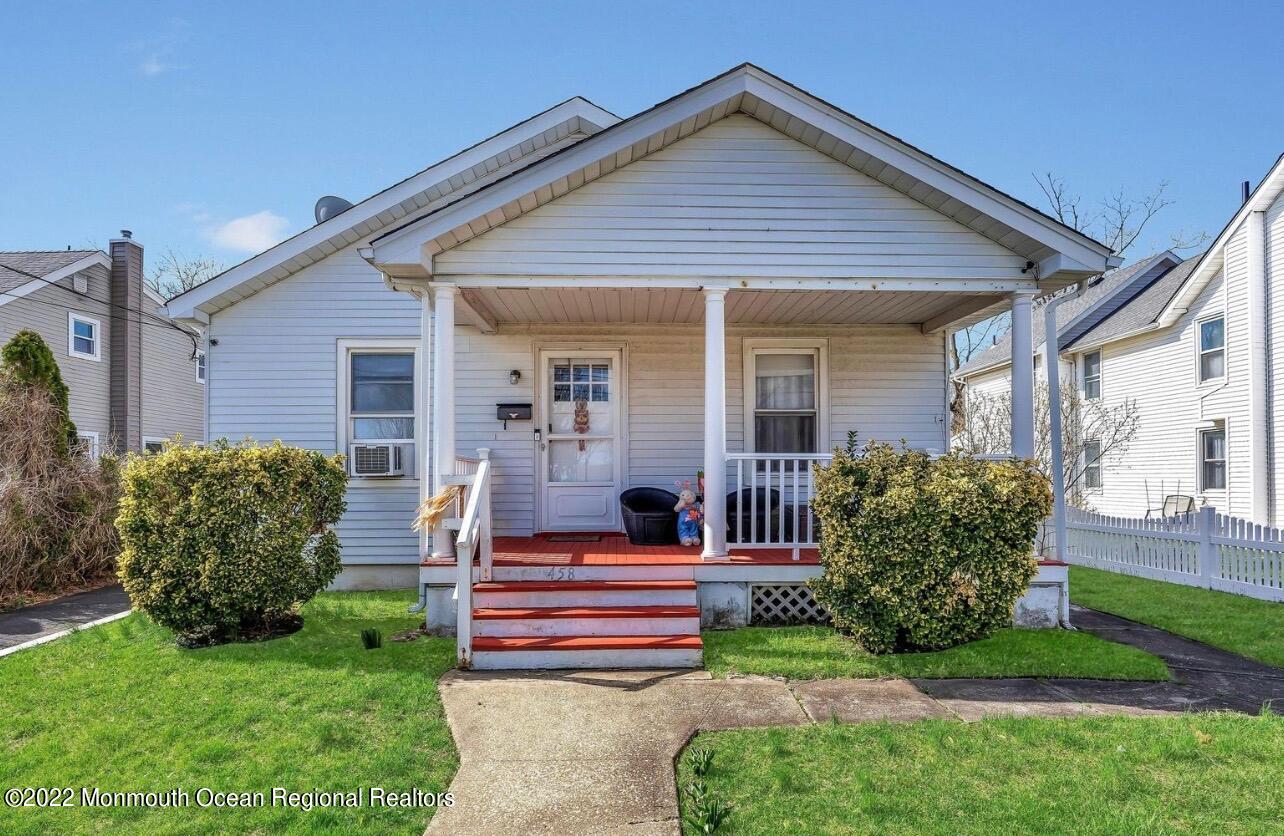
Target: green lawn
821	653
120	707
1209	773
1241	625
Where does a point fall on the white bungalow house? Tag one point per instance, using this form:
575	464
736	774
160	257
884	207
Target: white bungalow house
1194	346
728	282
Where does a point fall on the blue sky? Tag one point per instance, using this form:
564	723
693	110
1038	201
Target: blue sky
211	129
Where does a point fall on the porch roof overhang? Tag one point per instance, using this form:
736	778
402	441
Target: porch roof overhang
1058	254
495	302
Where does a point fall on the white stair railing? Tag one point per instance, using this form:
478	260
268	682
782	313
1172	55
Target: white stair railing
773	495
474	536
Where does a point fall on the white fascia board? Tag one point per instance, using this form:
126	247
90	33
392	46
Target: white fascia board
56	276
1261	199
405	245
963	188
184	305
890	285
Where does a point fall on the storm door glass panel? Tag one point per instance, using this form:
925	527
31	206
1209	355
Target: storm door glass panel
567	462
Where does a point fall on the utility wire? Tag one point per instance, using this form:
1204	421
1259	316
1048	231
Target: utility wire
158	321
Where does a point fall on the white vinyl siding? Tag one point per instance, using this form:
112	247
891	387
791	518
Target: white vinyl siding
741	199
273	375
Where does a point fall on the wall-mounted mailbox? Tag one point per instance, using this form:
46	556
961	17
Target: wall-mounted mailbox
513	412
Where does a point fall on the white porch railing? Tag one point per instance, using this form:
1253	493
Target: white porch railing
770	504
474	536
1205	549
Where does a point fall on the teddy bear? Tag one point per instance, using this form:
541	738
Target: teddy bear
689	514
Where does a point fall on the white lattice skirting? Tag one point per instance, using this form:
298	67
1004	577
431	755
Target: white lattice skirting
772	604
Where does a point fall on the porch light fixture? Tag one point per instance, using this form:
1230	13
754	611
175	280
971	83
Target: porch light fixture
514	377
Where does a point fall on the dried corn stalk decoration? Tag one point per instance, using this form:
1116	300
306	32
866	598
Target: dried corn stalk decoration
433	509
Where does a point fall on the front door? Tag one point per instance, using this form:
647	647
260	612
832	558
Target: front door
580	451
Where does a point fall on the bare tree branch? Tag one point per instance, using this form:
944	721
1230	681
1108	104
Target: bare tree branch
174	274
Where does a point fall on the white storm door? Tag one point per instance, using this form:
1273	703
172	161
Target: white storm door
580	452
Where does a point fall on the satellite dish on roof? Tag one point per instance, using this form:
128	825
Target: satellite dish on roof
329	206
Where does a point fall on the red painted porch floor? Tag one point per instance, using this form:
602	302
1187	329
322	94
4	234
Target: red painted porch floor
616	550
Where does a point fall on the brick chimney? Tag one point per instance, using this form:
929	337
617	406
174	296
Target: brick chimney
126	340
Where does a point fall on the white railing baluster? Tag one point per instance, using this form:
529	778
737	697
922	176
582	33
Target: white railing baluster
740	500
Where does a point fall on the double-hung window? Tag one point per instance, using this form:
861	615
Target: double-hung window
1092	464
1092	375
785	399
1212	459
200	366
380	397
382	406
84	337
1212	349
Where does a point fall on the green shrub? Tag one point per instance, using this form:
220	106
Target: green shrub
27	361
225	542
923	554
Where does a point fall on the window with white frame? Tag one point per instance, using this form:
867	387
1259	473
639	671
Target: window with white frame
381	398
1212	459
1092	464
84	337
87	443
1092	375
200	366
785	396
153	445
1212	349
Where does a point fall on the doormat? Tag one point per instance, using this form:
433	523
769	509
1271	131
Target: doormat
575	538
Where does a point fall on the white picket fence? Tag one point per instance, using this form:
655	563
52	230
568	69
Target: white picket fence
1204	548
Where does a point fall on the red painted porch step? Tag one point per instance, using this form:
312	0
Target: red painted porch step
500	643
587	612
579	586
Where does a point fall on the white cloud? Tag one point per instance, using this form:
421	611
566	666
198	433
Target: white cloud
152	65
252	233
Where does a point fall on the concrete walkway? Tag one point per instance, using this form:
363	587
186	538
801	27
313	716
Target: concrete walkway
593	751
30	624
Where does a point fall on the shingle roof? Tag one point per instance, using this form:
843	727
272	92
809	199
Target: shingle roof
1143	309
1067	313
35	263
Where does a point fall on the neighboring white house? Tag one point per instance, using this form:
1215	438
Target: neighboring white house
135	378
730	281
1196	345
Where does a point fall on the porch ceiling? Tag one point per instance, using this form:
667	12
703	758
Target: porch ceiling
761	307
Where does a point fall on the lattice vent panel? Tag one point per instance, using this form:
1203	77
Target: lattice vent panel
785	604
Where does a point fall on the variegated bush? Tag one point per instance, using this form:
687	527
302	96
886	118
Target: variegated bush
921	553
225	540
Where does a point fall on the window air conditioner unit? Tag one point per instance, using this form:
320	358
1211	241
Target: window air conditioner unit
374	460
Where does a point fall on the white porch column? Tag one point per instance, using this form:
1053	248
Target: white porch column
715	424
1022	376
443	404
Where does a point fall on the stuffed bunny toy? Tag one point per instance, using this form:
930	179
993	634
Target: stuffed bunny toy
689	514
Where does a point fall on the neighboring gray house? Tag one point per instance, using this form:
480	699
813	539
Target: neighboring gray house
1196	345
135	377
